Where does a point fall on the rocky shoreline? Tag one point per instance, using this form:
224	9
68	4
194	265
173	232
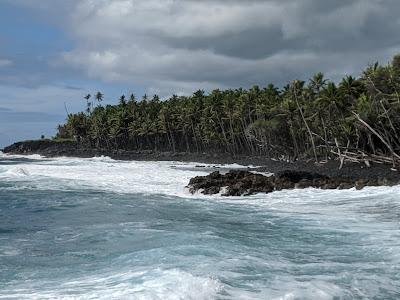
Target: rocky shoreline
239	183
348	176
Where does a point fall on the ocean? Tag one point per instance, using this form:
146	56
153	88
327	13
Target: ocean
73	228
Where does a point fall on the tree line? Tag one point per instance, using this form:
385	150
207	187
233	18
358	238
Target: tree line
320	119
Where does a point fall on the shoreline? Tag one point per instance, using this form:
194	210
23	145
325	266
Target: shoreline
354	171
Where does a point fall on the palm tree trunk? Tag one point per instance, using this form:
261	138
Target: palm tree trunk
308	128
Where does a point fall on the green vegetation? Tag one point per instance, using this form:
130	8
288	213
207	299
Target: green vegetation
63	140
358	118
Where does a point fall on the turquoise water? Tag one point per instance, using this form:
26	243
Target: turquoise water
98	228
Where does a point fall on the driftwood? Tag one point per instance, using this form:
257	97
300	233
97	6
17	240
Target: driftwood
361	157
386	143
357	156
341	158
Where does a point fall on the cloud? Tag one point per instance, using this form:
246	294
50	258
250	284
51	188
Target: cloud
181	45
177	46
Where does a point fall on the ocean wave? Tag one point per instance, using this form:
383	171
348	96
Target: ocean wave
11	156
105	174
155	284
16	172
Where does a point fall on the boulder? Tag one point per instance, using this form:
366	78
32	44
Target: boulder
239	182
236	182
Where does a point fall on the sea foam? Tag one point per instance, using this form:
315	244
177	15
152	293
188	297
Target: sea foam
148	285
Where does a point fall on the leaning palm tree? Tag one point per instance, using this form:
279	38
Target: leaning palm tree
296	89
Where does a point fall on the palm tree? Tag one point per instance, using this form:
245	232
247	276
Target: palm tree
296	91
99	97
88	104
296	120
122	101
317	82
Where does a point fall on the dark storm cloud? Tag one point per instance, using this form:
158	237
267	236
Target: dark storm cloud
365	27
170	45
177	46
252	43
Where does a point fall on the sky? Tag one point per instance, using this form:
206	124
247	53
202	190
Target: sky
54	52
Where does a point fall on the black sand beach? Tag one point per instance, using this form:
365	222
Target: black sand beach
354	171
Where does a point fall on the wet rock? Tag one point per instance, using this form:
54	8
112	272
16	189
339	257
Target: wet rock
208	184
373	182
383	181
330	186
283	184
247	183
236	182
211	190
239	182
296	176
304	183
236	189
361	183
345	185
215	175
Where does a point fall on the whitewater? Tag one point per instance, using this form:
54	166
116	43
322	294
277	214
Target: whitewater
97	228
